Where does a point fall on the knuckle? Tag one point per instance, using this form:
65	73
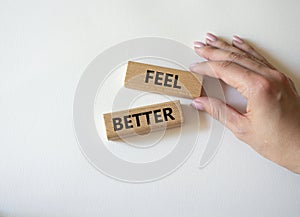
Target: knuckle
263	85
207	52
248	76
216	113
225	45
239	125
259	66
240	132
264	61
216	110
256	59
280	77
271	88
233	56
256	62
225	64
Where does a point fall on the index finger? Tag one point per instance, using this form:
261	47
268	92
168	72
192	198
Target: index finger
231	73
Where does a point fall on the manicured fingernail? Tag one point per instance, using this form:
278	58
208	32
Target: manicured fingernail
198	44
197	105
211	37
237	39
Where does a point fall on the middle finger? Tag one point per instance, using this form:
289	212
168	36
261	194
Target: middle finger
215	54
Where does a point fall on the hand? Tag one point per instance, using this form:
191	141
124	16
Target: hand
271	124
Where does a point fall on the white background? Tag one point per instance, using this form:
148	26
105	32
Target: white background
45	47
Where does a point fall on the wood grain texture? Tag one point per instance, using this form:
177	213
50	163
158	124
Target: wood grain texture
163	80
143	120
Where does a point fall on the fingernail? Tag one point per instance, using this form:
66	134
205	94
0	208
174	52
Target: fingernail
197	105
208	41
198	44
237	39
211	37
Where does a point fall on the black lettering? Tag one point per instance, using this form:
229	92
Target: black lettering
167	113
128	121
167	80
137	119
158	77
148	76
157	116
147	116
175	82
117	124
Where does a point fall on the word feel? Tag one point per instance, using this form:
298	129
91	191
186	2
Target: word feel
162	79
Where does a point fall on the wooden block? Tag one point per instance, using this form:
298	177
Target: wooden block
142	120
163	80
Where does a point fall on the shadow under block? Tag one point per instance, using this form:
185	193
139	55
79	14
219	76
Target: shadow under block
143	120
163	80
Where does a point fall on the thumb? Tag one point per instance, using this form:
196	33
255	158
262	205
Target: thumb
222	112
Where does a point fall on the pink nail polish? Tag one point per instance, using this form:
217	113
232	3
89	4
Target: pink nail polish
237	39
211	37
208	41
197	105
198	44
